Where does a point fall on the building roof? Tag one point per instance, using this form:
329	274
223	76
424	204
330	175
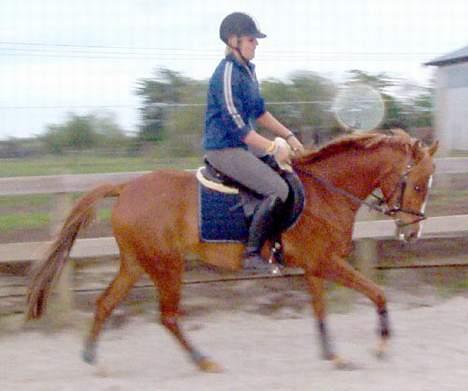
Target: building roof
460	55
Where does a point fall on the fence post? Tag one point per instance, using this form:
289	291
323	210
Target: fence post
366	254
366	250
62	303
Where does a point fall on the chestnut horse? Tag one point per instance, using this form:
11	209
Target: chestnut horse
155	223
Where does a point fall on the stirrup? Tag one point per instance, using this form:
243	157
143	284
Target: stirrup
277	253
255	264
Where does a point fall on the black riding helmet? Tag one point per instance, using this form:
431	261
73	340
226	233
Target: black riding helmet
238	24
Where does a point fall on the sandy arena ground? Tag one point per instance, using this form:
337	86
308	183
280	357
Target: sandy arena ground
265	339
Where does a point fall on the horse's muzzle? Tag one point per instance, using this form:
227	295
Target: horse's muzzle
409	232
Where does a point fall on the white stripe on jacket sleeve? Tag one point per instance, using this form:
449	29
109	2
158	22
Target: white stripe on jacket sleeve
228	96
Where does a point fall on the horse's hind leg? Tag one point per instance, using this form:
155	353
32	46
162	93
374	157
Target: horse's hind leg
128	274
169	284
315	286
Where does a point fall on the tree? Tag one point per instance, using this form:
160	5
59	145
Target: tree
423	105
76	133
417	103
81	132
394	110
379	81
108	131
308	95
173	107
172	111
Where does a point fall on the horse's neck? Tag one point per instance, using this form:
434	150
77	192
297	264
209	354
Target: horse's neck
357	173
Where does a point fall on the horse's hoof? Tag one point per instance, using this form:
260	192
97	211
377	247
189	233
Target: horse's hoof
343	364
206	365
89	353
381	351
328	356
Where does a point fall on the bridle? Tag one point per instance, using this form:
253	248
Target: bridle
381	204
398	206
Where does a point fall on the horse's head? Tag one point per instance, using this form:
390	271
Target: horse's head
406	189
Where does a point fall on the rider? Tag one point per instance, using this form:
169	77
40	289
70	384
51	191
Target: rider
230	139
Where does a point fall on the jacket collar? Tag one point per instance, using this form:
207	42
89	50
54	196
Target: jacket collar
233	58
249	67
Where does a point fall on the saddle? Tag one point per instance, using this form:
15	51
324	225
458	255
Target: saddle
215	182
213	179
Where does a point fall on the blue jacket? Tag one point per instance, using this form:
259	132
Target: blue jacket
234	102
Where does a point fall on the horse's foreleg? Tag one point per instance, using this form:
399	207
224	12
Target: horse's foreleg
315	286
340	271
169	284
106	303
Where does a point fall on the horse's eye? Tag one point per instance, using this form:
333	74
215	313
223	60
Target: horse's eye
417	188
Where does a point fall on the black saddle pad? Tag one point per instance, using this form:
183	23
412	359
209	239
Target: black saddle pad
224	217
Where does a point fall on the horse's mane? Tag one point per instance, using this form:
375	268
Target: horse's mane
397	138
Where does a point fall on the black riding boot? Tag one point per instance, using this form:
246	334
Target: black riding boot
261	228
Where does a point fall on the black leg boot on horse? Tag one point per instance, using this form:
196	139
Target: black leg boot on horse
262	227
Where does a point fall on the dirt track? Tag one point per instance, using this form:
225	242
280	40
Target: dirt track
263	336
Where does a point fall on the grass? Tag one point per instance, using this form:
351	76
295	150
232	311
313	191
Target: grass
36	220
24	212
457	153
32	211
22	220
104	214
88	164
24	201
448	289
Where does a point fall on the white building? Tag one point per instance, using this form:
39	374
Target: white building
451	100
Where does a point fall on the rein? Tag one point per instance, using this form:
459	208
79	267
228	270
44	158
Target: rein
377	206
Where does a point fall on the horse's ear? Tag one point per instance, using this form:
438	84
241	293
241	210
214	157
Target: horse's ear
417	148
433	148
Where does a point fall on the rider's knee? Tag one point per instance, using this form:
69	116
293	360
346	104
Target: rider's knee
282	191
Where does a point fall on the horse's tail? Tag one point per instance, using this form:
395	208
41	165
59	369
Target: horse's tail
49	268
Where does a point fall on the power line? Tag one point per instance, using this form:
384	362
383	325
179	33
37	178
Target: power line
277	57
118	51
67	45
80	54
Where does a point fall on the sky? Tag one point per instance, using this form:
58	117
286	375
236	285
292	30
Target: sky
62	56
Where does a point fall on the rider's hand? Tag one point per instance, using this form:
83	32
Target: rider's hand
295	144
281	151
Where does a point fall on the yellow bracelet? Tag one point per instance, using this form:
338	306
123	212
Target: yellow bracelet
271	148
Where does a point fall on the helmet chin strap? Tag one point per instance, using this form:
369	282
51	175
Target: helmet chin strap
237	50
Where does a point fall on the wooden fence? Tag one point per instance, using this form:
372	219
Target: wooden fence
365	232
